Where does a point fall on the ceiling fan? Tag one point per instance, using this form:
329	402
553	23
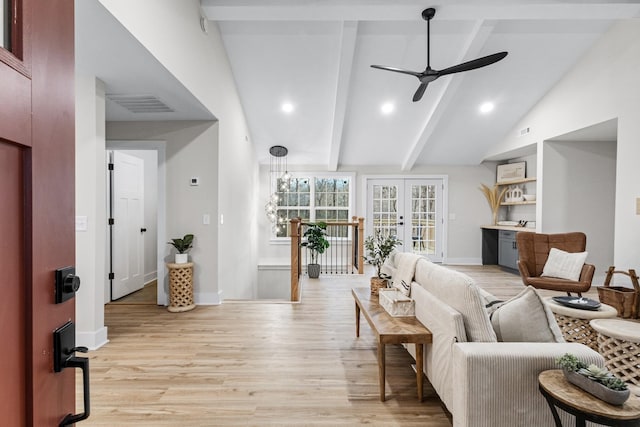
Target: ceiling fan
429	74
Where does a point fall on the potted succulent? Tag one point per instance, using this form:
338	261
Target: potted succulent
317	243
378	248
594	380
182	246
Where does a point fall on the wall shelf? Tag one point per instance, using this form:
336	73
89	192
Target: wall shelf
530	202
518	181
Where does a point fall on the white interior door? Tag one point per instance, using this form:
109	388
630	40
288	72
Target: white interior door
412	210
128	214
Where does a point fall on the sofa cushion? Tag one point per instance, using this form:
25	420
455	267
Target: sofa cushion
526	318
459	292
564	265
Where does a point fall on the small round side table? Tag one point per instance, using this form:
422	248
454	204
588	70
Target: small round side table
180	287
619	344
574	323
560	393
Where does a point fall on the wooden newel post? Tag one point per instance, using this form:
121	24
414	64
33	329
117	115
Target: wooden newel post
361	245
294	232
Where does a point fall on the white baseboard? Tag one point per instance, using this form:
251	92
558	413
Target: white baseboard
92	340
206	298
462	261
150	277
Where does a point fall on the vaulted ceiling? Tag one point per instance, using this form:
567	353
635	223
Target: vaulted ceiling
316	56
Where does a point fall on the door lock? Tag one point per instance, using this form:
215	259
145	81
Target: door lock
66	284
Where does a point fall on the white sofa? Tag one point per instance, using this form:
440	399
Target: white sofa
482	382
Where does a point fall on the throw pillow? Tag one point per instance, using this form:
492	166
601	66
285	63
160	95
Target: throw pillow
525	318
564	265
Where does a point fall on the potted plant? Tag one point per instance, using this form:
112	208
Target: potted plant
182	246
378	248
594	380
317	243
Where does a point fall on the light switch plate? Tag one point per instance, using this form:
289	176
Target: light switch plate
82	223
195	181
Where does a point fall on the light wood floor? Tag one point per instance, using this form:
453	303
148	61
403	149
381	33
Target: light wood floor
253	364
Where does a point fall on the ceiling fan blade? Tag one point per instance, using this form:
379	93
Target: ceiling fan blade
472	65
418	95
397	70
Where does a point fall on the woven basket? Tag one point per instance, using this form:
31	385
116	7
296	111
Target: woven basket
376	284
625	300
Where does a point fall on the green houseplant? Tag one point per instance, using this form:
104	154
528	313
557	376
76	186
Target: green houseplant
378	248
182	247
317	243
593	379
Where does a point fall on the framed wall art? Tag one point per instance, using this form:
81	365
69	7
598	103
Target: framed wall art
511	172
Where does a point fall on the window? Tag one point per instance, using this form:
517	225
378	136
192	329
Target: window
5	24
315	198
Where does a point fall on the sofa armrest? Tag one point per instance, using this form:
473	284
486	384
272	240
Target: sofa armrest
497	384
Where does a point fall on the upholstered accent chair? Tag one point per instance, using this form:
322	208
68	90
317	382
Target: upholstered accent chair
533	251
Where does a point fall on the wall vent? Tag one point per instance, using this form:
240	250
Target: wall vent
141	103
524	131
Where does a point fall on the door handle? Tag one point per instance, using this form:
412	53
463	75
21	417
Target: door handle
64	349
143	230
81	363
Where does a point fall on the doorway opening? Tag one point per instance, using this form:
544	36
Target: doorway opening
136	237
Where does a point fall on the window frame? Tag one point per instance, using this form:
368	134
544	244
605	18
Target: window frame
312	175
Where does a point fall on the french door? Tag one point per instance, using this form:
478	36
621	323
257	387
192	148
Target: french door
411	209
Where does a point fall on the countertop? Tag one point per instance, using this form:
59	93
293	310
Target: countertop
509	228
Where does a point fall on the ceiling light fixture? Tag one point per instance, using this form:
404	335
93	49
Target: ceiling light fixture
487	107
387	108
287	107
279	179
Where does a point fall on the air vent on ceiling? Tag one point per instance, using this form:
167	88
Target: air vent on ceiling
524	131
141	103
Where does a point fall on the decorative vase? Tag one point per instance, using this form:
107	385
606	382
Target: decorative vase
602	392
495	217
376	284
313	270
182	258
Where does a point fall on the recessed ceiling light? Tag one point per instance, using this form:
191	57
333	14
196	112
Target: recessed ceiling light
387	108
287	107
486	107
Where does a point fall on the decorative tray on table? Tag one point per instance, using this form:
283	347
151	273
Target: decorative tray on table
578	302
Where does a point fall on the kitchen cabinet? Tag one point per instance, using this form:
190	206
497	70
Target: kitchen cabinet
507	249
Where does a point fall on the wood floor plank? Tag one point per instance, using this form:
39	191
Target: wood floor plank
258	364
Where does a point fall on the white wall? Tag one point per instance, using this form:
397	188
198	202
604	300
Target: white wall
150	159
90	203
191	150
602	86
579	195
465	202
204	70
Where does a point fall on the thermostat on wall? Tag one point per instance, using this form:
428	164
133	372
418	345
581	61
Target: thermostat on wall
195	180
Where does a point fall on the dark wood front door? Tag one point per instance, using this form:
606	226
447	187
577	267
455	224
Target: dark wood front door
37	139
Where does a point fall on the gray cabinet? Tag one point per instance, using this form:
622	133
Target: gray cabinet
507	249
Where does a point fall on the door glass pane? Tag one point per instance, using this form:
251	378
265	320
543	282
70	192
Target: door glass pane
423	222
5	24
385	215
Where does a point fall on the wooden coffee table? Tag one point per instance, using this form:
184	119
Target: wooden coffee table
391	330
585	407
